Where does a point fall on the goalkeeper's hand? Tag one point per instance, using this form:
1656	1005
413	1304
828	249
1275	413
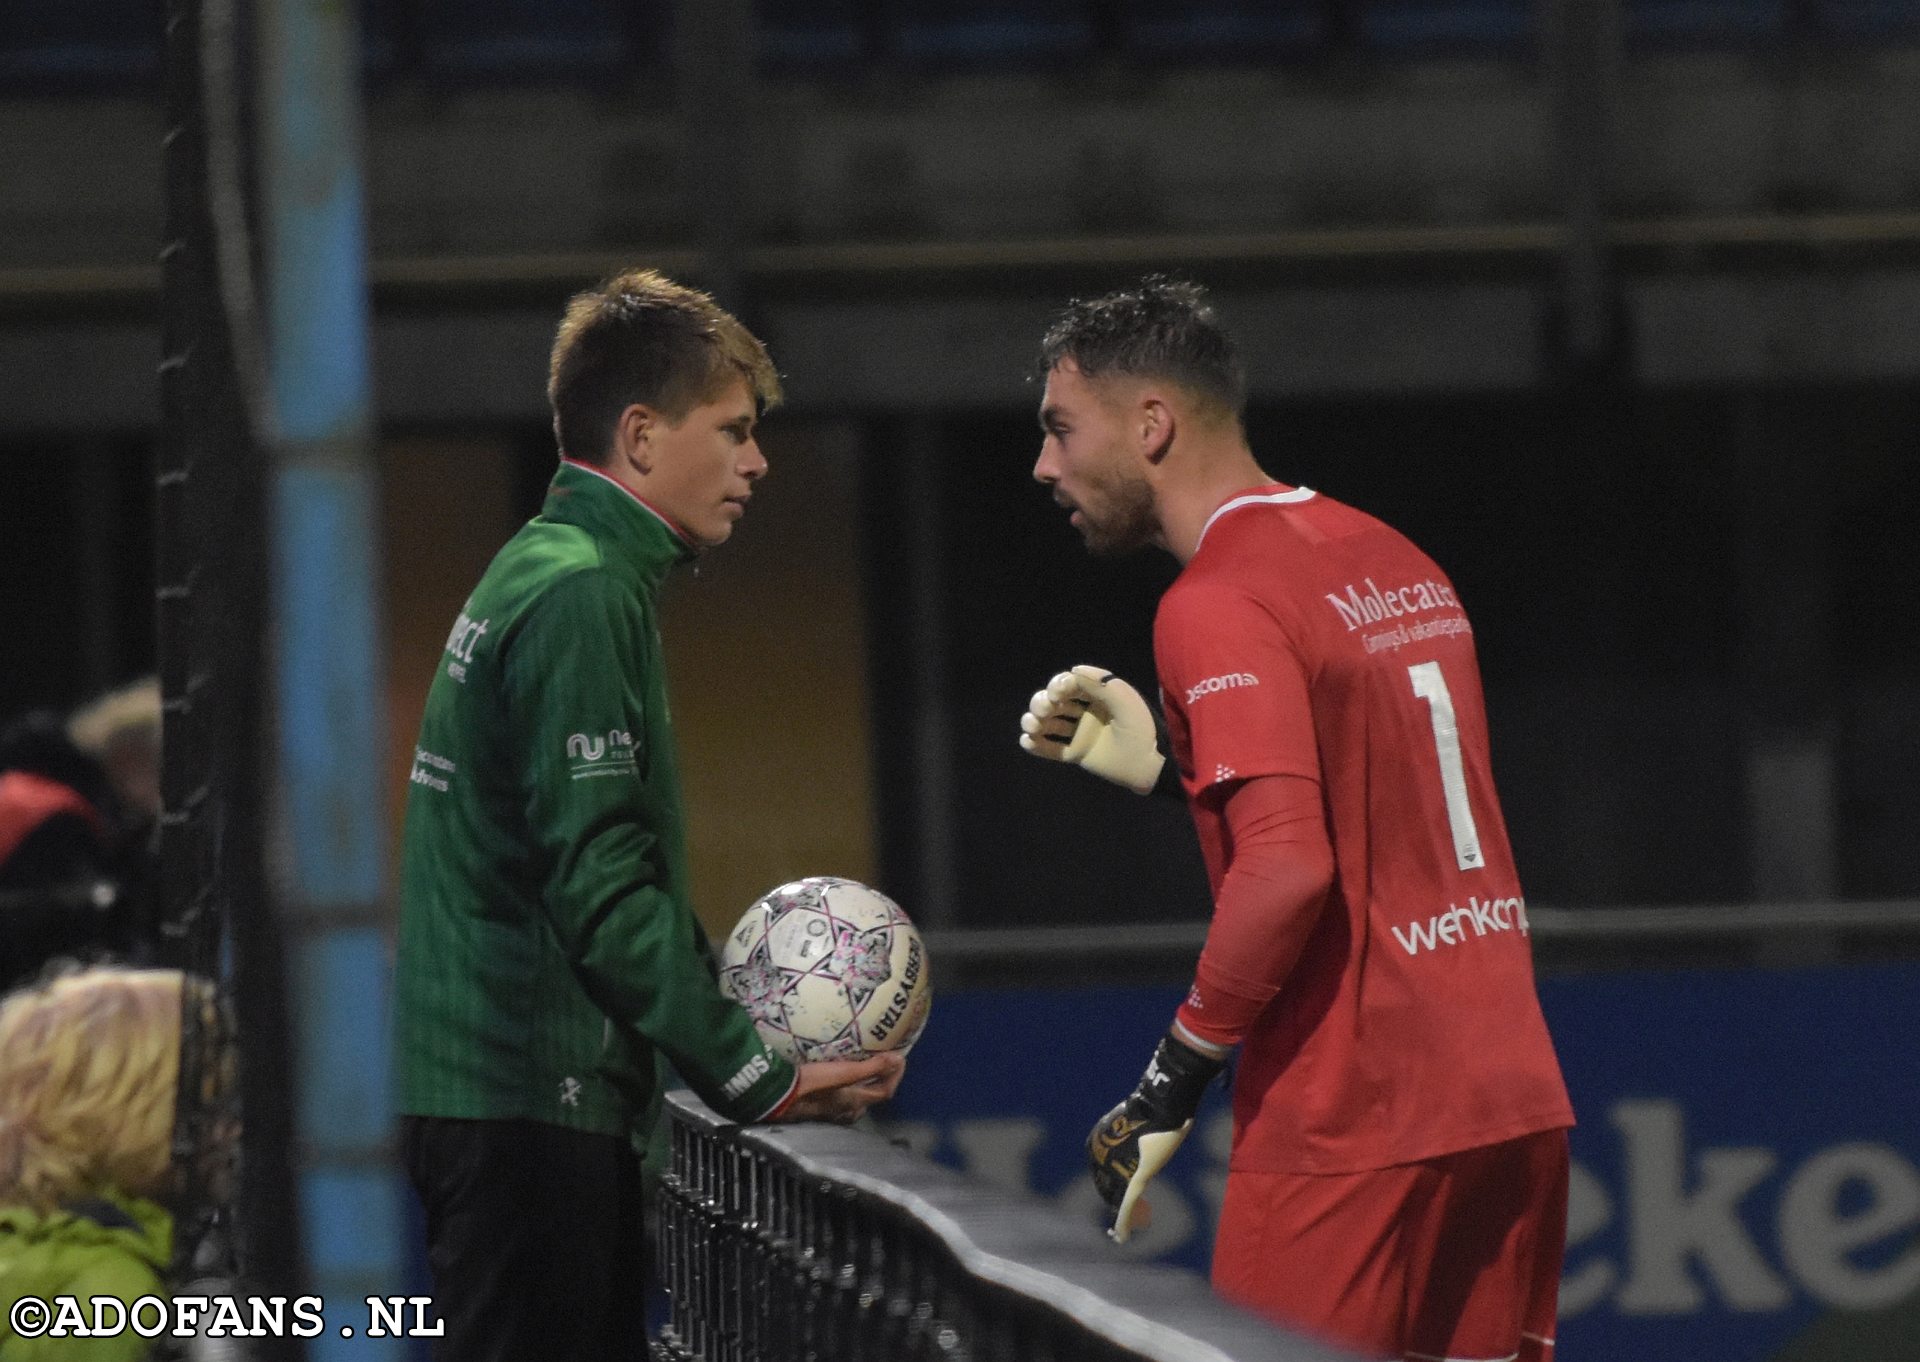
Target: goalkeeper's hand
1135	1140
1093	719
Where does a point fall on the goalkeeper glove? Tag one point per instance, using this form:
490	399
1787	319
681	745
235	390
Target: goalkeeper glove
1093	719
1135	1140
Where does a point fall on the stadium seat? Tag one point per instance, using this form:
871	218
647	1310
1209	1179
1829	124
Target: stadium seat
1867	19
523	38
1225	30
991	32
1703	21
57	43
381	41
1398	25
809	34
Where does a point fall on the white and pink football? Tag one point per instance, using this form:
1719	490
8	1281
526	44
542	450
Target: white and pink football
829	969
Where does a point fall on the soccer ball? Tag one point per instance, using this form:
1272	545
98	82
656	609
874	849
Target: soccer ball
829	969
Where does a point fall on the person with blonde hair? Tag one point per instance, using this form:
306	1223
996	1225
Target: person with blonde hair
121	731
79	803
89	1066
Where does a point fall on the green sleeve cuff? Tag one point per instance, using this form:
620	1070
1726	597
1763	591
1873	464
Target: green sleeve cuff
758	1090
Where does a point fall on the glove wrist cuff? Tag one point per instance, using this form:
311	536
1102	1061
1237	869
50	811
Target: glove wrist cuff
1140	773
1177	1079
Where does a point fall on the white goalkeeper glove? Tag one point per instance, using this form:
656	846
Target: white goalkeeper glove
1092	719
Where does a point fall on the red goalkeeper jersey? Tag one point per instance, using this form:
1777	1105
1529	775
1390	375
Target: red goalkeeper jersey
1306	638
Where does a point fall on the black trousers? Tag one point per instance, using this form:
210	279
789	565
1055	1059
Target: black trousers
535	1239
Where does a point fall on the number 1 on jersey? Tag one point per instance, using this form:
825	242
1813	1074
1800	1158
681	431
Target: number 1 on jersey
1431	686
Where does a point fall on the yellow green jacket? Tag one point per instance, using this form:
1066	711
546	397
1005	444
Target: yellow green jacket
108	1245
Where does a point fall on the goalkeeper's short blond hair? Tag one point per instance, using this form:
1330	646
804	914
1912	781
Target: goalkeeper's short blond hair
89	1064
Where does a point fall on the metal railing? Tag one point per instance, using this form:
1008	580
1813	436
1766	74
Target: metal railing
130	289
818	1243
1564	940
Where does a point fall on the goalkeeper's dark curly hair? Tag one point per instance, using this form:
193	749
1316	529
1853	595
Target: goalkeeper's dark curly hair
1163	328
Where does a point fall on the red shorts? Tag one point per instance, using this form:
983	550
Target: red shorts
1451	1258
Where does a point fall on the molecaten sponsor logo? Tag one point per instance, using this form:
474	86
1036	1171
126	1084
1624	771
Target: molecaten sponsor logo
1373	606
1215	684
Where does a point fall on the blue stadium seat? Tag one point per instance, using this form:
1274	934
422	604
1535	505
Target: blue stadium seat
802	34
527	38
1867	19
59	43
1450	24
991	32
1223	30
1703	21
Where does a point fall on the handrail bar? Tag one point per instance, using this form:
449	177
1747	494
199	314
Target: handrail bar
1010	1240
1624	924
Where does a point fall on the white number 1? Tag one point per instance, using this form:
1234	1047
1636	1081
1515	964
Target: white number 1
1431	686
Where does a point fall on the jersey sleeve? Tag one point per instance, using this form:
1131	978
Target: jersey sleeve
572	688
1234	686
1269	902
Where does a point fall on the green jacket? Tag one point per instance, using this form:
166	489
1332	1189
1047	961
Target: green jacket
108	1246
548	953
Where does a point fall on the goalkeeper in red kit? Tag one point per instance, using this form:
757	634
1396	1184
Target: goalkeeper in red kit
1398	1180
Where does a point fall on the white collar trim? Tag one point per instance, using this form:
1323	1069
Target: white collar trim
1296	496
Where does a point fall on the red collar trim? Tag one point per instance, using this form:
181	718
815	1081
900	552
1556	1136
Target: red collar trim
641	501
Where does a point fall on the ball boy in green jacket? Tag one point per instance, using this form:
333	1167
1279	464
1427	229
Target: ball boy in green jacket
548	954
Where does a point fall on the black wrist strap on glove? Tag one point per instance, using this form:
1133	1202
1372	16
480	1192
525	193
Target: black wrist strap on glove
1175	1081
1168	785
1134	1140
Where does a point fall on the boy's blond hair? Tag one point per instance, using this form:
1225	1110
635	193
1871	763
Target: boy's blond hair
641	338
89	1063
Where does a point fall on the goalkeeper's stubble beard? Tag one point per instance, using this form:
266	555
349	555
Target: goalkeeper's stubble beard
1125	521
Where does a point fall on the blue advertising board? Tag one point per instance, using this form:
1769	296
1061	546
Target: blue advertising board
1746	1182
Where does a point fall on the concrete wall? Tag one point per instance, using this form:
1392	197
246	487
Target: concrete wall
1438	143
1384	227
